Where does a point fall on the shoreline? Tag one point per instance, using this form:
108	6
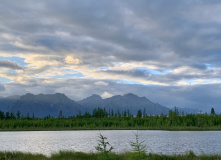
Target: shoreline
100	129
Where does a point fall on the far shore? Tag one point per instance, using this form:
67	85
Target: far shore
112	128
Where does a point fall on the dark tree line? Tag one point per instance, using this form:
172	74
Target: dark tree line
96	113
18	115
100	118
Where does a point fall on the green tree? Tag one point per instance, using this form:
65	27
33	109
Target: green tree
33	116
104	147
128	113
79	115
213	111
18	114
28	116
138	147
2	115
60	114
144	112
139	113
118	113
112	113
7	115
12	116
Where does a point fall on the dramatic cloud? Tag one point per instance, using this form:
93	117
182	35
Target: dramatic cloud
9	65
101	46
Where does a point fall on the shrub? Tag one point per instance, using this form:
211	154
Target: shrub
138	147
104	147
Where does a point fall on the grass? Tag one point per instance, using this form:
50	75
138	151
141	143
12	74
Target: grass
69	155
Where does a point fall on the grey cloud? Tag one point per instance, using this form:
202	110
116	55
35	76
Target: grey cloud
111	22
169	78
2	88
31	72
10	65
132	73
200	66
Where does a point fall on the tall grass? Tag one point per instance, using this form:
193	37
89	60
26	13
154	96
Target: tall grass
21	156
68	155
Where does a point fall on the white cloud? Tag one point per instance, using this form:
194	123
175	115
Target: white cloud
101	83
71	60
106	95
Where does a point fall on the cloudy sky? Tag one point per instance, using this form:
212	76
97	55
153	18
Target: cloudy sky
168	51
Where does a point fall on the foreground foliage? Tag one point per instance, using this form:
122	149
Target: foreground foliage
139	148
67	155
104	148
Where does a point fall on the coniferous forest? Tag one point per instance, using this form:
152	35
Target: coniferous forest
102	119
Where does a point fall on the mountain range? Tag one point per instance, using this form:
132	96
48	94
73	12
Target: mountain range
126	102
51	104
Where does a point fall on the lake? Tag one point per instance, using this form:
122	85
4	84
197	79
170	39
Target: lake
165	142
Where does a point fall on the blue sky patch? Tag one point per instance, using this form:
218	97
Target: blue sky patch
153	71
3	79
18	60
77	75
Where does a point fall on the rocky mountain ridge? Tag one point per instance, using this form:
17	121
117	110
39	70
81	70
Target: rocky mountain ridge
42	105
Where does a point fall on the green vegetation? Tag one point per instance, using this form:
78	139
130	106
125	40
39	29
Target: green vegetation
139	148
100	119
68	155
212	111
103	148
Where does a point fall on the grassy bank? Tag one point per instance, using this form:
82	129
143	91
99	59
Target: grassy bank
66	155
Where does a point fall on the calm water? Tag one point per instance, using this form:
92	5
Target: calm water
166	142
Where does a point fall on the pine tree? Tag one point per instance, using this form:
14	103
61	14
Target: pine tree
213	111
138	146
104	147
18	114
139	113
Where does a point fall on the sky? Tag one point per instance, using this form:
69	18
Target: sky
168	51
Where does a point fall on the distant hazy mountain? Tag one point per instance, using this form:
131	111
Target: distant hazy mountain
91	102
126	102
43	105
6	102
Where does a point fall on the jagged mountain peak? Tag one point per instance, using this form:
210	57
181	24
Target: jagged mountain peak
130	95
128	101
27	96
93	97
53	98
44	104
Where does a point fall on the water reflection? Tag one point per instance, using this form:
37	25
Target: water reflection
166	142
